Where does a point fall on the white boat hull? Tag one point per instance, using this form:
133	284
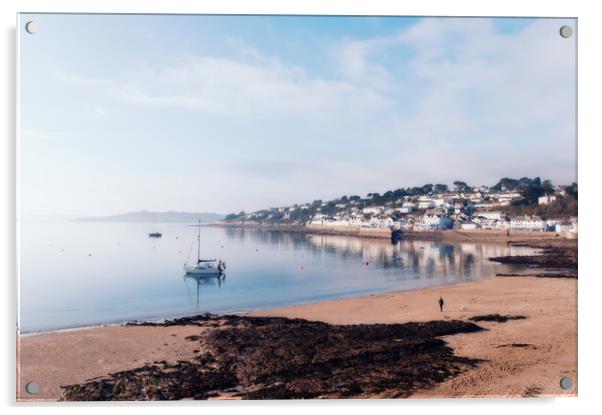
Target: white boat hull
204	272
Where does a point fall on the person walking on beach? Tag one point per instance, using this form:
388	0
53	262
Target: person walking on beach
441	303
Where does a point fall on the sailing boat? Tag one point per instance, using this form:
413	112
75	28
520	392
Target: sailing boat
205	267
154	233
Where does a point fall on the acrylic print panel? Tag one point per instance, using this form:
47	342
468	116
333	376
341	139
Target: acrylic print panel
283	207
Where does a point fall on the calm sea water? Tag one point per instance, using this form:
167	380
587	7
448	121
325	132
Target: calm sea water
77	274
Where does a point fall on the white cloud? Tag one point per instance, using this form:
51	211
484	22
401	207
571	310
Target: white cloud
354	62
503	101
256	86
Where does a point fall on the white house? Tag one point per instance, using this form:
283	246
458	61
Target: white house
406	225
371	210
469	226
495	215
336	222
492	224
504	199
546	200
528	223
442	201
552	224
426	204
433	222
569	226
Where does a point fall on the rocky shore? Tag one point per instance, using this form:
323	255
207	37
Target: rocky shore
555	259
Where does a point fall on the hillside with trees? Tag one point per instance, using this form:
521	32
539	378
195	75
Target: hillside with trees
528	190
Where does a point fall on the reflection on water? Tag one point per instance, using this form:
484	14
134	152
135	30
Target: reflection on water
77	274
202	280
424	258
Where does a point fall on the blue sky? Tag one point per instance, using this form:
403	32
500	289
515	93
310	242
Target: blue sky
228	113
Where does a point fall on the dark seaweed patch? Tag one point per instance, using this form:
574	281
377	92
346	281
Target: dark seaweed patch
278	358
496	317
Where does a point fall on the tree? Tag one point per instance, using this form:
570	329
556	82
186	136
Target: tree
547	187
460	186
399	193
329	209
388	196
276	216
571	190
532	192
505	184
300	215
441	188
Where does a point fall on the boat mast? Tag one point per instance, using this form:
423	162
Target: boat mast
198	254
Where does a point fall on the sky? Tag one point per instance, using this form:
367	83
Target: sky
122	113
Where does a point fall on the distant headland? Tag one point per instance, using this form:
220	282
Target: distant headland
162	217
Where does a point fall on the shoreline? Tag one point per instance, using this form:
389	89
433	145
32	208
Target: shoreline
97	351
450	235
242	312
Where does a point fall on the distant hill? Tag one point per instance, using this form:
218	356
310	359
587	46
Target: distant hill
159	217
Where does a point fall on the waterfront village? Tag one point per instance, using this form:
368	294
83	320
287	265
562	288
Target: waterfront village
511	205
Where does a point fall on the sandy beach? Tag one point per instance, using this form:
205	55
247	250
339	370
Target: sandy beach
517	358
547	337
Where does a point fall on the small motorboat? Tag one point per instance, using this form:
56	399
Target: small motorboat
205	267
155	235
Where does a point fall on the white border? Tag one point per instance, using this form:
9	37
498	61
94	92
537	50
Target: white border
590	30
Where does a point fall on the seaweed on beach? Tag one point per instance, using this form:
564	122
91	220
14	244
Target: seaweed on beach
518	345
496	317
201	320
542	261
564	275
559	255
279	358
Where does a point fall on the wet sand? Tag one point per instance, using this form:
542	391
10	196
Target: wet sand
525	357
